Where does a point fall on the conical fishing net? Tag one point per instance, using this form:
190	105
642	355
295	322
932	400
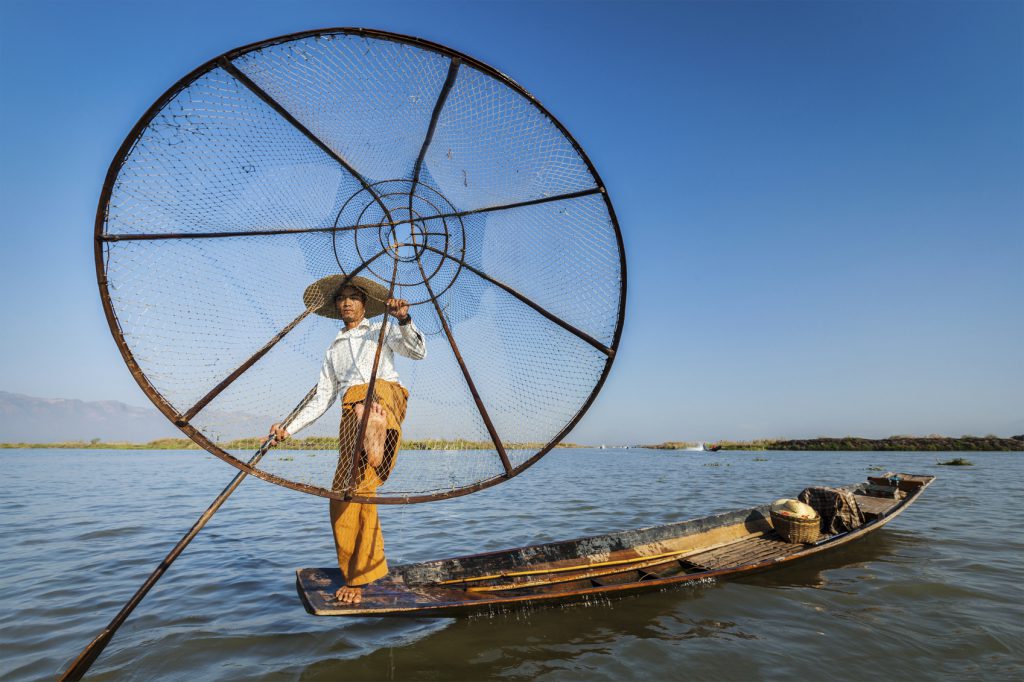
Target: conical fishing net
361	154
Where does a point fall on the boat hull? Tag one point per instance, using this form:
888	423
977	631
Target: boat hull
691	552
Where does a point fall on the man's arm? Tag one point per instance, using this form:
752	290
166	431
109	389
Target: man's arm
406	339
326	393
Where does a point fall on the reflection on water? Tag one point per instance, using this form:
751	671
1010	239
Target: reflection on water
815	570
926	595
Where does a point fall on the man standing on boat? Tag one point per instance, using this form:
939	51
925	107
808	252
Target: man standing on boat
346	371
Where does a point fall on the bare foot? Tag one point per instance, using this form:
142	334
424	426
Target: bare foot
376	429
349	595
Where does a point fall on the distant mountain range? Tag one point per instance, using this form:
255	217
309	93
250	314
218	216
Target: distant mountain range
25	418
28	419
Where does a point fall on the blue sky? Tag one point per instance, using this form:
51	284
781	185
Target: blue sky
822	203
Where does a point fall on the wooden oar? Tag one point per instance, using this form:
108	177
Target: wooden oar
89	655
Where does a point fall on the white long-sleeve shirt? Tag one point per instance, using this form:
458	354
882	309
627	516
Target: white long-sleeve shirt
349	362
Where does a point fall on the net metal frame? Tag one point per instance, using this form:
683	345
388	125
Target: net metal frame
389	219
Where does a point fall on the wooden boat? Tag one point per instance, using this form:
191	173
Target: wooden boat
724	545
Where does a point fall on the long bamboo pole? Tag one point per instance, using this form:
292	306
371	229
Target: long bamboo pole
84	661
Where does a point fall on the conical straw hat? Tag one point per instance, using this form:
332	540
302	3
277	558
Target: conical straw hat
320	295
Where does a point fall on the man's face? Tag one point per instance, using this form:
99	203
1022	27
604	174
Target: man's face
351	303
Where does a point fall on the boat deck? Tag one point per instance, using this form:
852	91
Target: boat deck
749	551
874	507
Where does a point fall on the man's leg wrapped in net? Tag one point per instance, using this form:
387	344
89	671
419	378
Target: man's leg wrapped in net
357	534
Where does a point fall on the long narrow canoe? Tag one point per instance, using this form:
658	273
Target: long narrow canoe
603	566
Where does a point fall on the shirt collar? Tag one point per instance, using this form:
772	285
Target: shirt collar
364	324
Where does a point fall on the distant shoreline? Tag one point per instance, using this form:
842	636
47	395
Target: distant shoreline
314	443
855	444
846	444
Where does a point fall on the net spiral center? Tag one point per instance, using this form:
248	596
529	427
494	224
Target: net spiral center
419	231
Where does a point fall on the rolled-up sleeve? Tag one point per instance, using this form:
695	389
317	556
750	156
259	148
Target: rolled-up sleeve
407	341
326	393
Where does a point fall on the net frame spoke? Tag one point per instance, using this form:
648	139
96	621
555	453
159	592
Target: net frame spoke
267	99
357	445
254	358
529	302
105	237
505	207
150	236
493	432
225	63
442	97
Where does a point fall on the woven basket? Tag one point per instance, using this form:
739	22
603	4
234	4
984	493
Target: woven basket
796	530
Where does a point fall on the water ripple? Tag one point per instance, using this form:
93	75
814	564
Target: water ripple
939	590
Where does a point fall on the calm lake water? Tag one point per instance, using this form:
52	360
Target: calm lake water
937	594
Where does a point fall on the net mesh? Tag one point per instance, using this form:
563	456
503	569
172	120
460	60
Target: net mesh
427	174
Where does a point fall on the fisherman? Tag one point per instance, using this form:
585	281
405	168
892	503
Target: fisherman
346	371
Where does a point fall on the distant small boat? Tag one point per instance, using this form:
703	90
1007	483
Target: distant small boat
603	566
711	448
958	462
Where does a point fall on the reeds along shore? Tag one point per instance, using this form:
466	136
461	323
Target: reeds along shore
893	443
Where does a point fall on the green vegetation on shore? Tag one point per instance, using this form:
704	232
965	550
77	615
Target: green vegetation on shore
894	443
759	444
312	443
725	445
97	444
670	445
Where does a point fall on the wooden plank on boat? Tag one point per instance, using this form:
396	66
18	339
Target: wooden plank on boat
751	547
876	506
742	553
